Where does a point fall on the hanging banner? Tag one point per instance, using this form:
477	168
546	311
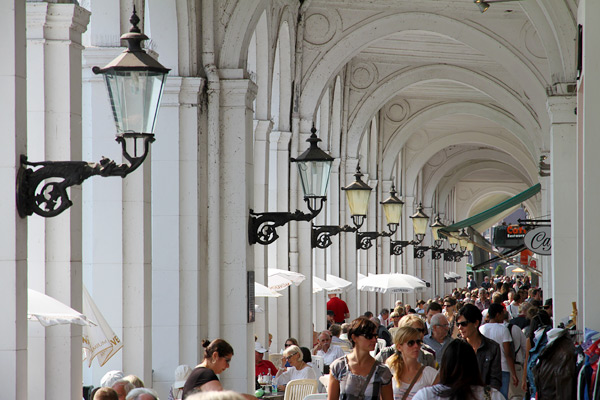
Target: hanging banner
539	241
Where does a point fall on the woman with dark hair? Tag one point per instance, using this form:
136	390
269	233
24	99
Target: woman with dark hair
358	375
217	356
459	377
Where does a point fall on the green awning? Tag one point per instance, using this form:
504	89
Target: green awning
493	211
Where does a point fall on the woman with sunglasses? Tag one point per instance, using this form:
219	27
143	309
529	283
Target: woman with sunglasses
298	368
358	375
409	374
459	377
217	356
450	314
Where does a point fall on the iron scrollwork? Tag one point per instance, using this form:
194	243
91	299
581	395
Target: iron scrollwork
419	251
321	234
42	186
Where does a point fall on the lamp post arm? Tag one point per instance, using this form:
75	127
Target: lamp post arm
42	189
321	234
262	226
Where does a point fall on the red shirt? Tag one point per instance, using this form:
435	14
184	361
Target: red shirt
339	308
262	368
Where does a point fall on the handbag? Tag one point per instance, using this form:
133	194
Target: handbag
415	379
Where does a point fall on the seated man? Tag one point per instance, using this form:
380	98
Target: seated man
326	350
262	367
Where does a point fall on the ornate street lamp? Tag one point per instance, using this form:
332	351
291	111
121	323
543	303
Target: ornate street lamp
314	167
438	240
135	83
358	194
420	228
392	208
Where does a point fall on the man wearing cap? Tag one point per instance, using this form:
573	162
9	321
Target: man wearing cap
181	374
262	367
339	308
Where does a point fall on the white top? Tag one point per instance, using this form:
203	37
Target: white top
426	379
428	393
499	333
332	354
292	373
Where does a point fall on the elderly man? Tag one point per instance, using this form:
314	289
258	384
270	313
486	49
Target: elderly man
432	309
384	314
123	387
482	302
142	394
262	367
326	350
105	393
439	337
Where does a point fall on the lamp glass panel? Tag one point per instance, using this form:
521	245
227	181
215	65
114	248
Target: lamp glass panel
314	176
420	225
463	242
135	98
452	239
434	232
393	212
358	201
470	246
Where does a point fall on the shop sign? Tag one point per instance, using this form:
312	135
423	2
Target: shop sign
539	241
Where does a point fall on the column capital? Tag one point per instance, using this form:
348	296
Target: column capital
282	138
237	92
562	109
262	130
68	21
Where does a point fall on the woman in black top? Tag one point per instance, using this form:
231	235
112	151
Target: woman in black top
217	356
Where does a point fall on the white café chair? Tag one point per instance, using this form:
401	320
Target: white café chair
276	359
298	389
316	396
318	363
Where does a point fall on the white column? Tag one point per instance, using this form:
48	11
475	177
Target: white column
279	315
262	131
56	97
13	239
191	298
589	165
236	255
563	159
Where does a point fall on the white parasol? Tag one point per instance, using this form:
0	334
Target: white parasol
49	311
391	283
280	279
99	340
320	284
339	282
263	291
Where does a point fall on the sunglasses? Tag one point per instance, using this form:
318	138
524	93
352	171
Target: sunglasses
290	356
287	345
447	305
411	343
368	336
463	323
546	307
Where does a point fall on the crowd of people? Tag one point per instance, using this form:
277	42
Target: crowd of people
471	344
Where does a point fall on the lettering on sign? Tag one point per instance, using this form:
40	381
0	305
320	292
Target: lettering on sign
539	241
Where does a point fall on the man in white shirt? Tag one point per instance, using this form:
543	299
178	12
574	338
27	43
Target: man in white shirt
326	350
496	331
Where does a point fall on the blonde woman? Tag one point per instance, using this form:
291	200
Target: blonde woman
409	374
298	368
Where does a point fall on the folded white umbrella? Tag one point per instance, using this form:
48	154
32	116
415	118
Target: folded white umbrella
278	283
320	284
454	275
391	283
49	311
263	291
295	277
341	283
99	340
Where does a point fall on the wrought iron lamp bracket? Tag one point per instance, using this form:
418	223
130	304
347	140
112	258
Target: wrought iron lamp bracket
419	251
42	189
262	226
321	234
364	240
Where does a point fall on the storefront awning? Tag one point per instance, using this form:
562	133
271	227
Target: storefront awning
494	211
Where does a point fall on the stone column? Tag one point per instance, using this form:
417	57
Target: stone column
563	159
54	109
589	165
13	243
262	131
236	255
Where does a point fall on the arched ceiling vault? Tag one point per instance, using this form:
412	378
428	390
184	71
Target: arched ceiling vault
401	136
351	43
532	136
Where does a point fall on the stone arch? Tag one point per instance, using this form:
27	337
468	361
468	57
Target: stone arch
510	191
400	137
282	80
260	53
349	45
375	100
467	168
238	33
517	155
